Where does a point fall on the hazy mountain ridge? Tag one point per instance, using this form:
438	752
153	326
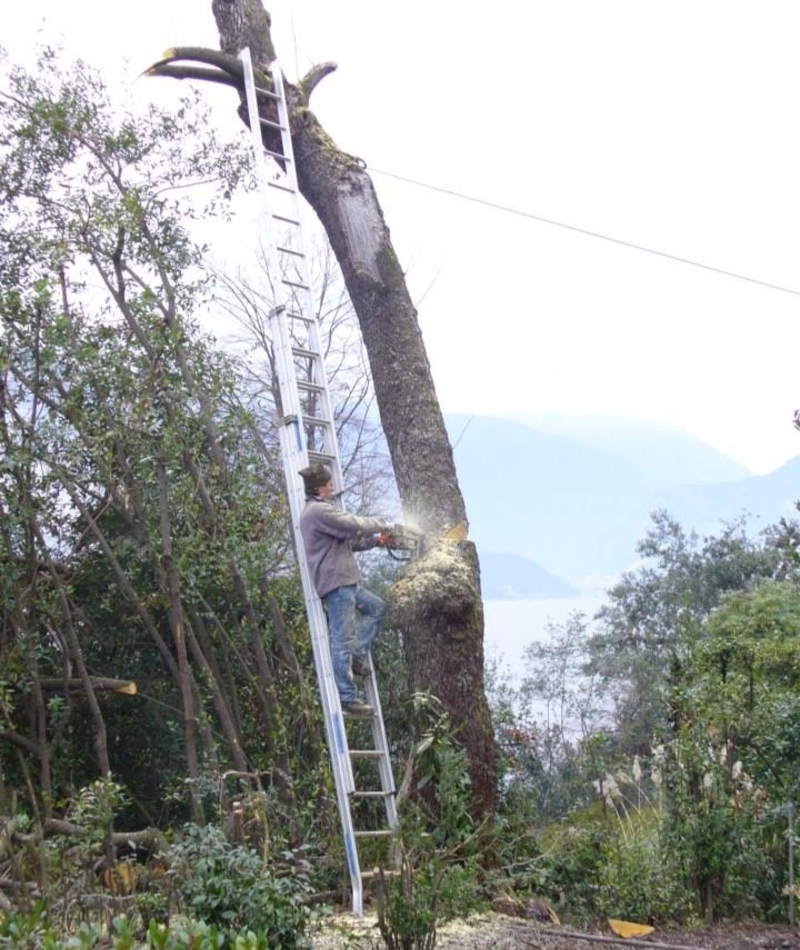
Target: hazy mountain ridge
766	498
507	576
667	454
577	511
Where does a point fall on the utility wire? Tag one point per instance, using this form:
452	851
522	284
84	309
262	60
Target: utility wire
586	231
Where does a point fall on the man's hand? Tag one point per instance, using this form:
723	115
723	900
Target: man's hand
386	539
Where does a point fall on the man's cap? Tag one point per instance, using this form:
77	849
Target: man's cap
315	476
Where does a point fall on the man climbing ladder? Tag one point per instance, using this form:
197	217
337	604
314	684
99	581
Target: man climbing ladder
330	535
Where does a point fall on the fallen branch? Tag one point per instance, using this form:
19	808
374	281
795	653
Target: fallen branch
627	941
98	683
149	839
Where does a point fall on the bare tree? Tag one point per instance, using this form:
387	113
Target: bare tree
249	298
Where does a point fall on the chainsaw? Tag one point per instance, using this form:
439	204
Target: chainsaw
400	542
403	543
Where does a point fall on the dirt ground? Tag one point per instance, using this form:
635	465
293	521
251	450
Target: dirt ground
493	931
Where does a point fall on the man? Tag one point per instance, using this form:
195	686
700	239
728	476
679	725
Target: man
330	536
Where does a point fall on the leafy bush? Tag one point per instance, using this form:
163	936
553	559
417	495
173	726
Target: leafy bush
428	891
234	889
34	931
612	860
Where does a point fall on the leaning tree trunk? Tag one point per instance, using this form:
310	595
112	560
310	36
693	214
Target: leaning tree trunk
437	603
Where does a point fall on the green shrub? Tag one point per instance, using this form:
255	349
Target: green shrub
234	889
607	864
422	896
35	931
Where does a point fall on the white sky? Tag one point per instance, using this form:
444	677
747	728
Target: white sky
672	124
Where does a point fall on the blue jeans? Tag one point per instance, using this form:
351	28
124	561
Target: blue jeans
354	616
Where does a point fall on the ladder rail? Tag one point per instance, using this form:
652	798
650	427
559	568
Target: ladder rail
300	260
294	330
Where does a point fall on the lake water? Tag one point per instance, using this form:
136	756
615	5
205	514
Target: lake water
510	625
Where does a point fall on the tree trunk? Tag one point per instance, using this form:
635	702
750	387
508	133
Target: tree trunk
176	622
439	604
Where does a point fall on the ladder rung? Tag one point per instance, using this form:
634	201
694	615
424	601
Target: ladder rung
383	833
279	155
296	315
307	354
294	283
271	124
317	421
358	794
366	754
285	220
320	456
279	186
268	93
289	250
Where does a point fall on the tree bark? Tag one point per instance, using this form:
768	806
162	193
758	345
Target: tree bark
438	604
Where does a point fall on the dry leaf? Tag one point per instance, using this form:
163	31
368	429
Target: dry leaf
624	928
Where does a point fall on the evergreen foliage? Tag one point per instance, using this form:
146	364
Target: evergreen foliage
675	713
144	532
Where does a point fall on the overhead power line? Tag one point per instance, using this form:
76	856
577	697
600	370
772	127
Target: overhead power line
589	233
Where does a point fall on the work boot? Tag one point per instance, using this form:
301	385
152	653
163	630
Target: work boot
360	666
355	708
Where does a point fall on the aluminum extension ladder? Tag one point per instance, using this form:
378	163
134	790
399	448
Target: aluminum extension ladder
308	434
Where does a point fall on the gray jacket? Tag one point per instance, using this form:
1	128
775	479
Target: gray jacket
330	536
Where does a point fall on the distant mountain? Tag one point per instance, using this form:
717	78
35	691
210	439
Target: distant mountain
765	499
511	577
574	510
577	511
665	453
